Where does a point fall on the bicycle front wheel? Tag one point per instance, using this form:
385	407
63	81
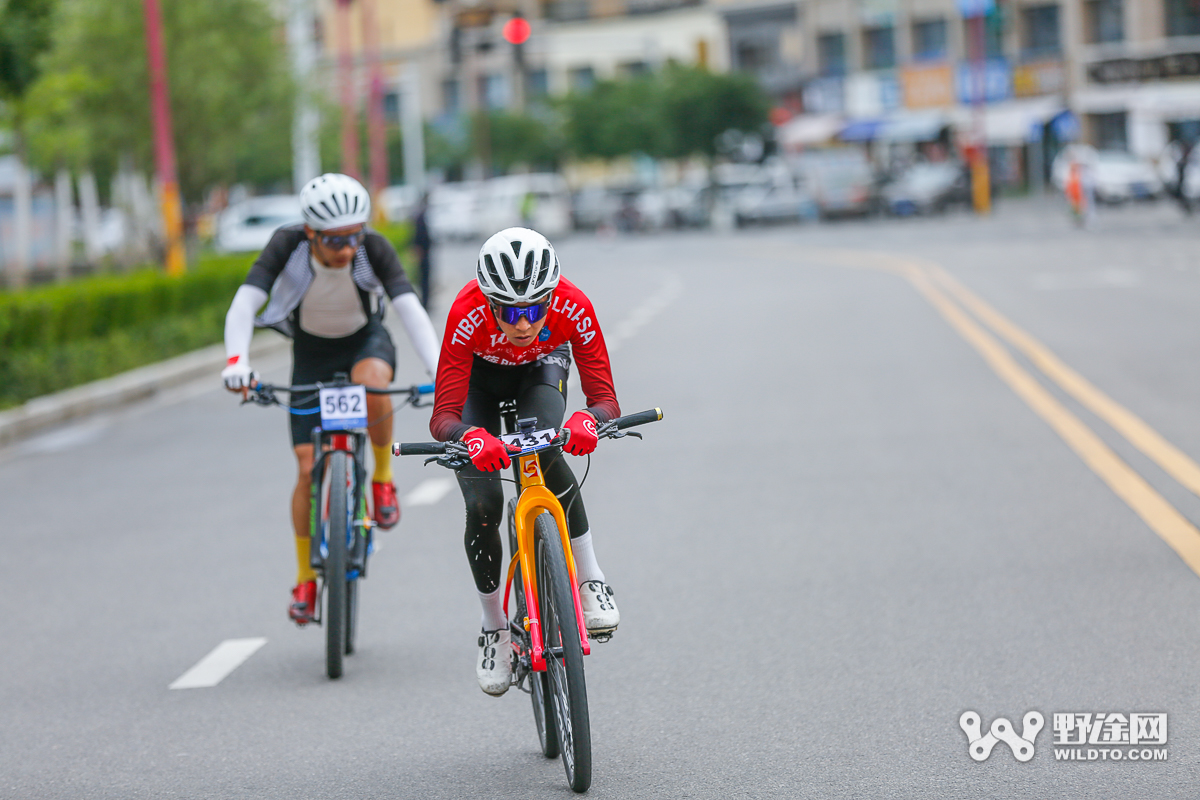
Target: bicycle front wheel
564	655
335	562
543	706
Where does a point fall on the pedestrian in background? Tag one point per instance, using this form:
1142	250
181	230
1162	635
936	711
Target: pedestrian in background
1181	168
422	244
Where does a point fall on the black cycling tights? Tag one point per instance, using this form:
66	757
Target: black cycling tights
484	494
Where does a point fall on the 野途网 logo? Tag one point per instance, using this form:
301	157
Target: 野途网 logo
980	745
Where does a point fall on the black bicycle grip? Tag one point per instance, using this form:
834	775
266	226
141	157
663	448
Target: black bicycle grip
419	448
640	418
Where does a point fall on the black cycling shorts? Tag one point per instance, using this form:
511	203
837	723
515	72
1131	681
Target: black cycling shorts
315	358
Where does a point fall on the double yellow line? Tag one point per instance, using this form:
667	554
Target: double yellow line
984	328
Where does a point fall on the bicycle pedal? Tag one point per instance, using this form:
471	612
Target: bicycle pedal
600	637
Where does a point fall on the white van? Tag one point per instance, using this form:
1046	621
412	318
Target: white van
540	201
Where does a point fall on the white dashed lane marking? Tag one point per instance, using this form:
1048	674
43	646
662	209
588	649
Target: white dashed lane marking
214	667
428	492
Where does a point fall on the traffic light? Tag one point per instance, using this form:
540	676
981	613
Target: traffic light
516	33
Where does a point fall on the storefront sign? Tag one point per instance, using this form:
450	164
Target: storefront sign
870	94
1043	77
929	86
1120	70
997	81
825	96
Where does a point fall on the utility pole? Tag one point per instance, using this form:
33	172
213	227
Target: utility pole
414	129
976	12
306	151
164	145
376	133
346	88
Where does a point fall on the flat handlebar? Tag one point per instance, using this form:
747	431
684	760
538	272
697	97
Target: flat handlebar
610	429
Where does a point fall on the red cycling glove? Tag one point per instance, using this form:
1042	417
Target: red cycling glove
583	434
488	453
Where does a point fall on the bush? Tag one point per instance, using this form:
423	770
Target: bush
96	307
56	337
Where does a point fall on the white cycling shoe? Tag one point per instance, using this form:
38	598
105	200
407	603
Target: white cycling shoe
493	668
600	614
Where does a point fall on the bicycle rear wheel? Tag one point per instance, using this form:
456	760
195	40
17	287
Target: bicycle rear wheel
564	655
335	563
543	707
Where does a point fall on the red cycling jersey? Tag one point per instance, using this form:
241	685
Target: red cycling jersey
471	330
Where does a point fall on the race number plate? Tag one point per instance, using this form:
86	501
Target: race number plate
530	440
344	408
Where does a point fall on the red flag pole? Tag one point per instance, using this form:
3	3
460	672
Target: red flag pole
346	89
164	146
376	135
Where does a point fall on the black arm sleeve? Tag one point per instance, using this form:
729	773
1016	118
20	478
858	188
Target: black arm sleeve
274	257
387	265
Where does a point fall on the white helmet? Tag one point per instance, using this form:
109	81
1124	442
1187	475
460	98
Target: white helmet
517	265
334	201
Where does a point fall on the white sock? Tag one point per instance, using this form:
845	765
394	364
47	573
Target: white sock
586	568
493	610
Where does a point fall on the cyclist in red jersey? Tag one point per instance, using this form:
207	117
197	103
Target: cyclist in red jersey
511	335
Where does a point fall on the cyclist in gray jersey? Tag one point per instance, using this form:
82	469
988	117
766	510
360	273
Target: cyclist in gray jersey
326	284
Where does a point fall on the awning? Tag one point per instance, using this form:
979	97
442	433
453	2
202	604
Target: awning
808	129
1011	122
861	130
913	127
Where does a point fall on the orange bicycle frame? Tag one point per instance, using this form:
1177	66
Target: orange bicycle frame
535	499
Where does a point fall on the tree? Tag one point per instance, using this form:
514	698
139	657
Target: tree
25	27
516	138
700	105
231	92
678	112
617	118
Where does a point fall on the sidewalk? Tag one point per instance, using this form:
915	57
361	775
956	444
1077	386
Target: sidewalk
119	390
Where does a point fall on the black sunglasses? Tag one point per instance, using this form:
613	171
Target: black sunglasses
338	242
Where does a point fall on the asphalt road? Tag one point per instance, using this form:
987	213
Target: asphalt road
855	523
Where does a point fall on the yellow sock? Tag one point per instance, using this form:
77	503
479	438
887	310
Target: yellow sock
304	571
383	463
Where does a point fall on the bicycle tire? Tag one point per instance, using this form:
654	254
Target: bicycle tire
564	669
543	712
335	564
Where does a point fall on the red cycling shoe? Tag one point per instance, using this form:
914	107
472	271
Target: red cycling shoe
387	507
303	609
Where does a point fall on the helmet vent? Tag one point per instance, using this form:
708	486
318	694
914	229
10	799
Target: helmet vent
492	272
516	246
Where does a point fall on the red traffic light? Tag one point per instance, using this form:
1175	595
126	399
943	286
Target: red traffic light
516	30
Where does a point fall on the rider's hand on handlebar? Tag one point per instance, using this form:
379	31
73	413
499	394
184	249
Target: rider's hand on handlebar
488	453
583	438
237	375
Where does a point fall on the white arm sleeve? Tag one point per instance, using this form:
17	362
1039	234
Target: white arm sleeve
239	321
419	328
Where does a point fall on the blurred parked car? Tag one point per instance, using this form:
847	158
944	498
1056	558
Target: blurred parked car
247	226
454	211
594	207
399	203
1117	176
841	179
539	200
783	202
927	188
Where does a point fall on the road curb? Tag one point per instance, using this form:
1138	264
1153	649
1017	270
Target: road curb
137	384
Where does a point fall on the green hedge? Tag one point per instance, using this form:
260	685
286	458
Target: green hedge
56	337
95	307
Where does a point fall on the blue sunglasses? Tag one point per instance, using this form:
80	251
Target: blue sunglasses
510	314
